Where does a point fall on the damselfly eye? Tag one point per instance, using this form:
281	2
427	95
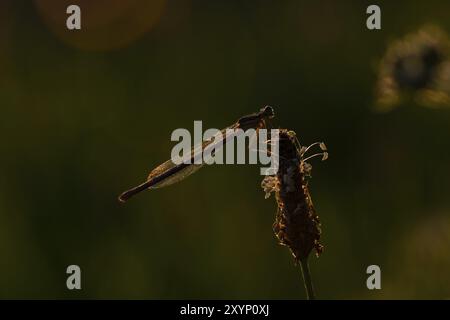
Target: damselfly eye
268	112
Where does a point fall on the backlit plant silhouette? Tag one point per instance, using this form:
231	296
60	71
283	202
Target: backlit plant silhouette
297	225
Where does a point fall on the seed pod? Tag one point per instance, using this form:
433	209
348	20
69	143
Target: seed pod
297	225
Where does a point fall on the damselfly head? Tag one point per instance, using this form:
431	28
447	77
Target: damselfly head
267	112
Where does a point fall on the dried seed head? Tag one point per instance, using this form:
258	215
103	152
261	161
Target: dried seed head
297	225
415	65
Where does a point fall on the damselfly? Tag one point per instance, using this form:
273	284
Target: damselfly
169	173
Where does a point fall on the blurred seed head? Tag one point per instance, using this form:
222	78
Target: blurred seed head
417	66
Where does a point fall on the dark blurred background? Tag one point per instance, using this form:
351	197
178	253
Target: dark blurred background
87	114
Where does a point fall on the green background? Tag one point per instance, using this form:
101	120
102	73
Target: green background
80	125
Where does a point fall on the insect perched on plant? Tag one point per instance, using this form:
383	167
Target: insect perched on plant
297	225
169	173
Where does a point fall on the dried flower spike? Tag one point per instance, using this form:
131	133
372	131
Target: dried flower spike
297	225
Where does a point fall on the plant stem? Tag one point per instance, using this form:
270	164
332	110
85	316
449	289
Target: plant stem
307	279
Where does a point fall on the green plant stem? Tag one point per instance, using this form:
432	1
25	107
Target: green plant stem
307	279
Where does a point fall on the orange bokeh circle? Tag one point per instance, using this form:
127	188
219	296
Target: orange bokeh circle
105	24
